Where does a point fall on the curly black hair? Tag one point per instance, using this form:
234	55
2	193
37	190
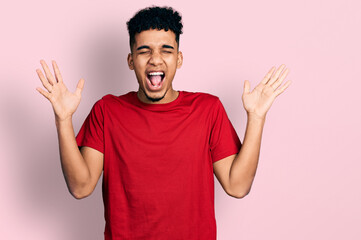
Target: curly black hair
156	18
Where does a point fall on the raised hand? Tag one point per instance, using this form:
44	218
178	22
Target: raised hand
259	101
64	102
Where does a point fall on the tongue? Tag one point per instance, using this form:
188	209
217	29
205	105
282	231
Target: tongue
155	80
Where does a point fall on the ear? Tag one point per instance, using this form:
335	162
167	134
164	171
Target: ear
130	61
179	59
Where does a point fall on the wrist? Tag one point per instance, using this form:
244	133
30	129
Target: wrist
59	122
255	117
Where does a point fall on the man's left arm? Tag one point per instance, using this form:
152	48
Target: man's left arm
236	172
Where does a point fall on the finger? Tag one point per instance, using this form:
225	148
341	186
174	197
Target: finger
279	81
278	72
79	87
44	81
280	90
246	87
57	72
268	75
43	92
48	74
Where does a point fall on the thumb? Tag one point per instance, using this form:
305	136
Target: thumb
246	87
79	87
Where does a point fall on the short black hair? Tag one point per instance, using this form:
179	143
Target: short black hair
156	18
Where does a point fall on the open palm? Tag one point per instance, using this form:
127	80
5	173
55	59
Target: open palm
63	101
259	101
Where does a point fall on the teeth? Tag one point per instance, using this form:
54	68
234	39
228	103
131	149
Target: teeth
156	73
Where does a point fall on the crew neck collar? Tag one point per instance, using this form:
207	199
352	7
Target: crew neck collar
156	106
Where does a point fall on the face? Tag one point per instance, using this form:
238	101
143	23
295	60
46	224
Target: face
155	59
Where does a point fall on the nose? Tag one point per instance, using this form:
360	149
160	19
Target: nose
155	58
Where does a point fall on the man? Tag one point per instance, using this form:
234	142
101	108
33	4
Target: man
158	147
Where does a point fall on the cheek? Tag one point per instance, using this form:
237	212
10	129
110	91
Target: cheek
172	63
139	69
139	73
140	61
138	65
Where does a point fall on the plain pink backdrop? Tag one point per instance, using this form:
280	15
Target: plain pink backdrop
308	181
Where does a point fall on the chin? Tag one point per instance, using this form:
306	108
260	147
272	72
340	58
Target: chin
155	96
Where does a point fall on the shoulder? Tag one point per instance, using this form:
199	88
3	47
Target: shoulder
110	99
201	97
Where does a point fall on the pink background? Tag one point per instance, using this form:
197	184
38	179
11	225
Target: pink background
308	180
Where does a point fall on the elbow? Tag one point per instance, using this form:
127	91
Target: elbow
239	194
241	190
80	193
79	189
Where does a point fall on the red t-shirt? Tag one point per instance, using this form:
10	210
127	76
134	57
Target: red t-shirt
158	164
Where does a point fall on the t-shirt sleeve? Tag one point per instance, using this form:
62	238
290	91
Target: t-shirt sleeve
91	134
224	140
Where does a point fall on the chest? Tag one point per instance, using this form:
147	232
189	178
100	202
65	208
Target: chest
162	145
181	129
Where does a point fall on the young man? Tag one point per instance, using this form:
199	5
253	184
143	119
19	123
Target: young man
158	148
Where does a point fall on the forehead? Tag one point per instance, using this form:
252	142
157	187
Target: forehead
155	38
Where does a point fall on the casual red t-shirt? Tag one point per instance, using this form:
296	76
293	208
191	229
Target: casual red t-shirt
158	178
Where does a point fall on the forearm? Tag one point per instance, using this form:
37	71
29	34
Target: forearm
75	169
244	166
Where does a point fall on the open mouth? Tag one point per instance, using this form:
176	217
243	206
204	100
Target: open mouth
155	79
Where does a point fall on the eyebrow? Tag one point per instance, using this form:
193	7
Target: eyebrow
142	47
147	47
167	46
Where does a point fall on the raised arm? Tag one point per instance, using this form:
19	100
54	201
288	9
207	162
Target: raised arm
81	169
236	173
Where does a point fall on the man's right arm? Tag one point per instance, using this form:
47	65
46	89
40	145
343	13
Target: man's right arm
81	169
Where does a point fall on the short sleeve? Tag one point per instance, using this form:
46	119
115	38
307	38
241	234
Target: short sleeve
91	134
224	140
